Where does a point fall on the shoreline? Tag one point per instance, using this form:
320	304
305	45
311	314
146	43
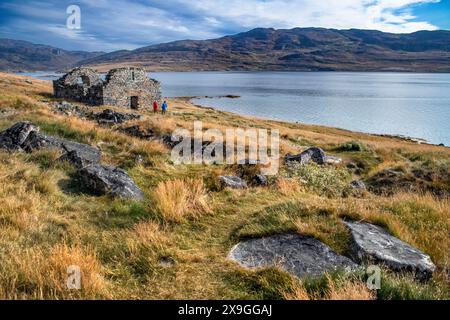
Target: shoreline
189	99
419	141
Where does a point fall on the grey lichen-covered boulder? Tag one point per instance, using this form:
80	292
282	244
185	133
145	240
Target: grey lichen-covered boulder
373	244
232	182
83	152
80	158
13	138
299	255
314	154
25	136
102	179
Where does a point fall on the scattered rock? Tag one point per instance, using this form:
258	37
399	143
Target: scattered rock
80	157
29	81
299	255
76	153
25	136
68	109
372	244
332	160
139	132
358	185
13	138
36	141
111	117
172	141
233	182
314	154
109	180
260	180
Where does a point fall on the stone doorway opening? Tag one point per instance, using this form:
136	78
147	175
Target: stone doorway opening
134	102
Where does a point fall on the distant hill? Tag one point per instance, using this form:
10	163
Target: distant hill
301	49
17	55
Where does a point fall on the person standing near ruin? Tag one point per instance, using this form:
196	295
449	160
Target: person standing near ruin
155	107
164	107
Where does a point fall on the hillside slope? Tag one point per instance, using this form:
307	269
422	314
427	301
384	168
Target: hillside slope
174	243
300	49
17	55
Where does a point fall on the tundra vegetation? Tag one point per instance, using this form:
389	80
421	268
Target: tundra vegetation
174	244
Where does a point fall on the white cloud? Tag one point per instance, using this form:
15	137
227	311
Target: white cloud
384	15
116	24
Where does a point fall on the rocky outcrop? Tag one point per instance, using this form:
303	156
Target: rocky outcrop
372	244
299	255
25	136
314	154
111	117
232	182
138	132
68	109
14	137
109	180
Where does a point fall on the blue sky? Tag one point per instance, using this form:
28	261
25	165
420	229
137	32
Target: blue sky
117	24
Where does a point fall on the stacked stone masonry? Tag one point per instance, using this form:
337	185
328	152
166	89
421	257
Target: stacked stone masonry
122	87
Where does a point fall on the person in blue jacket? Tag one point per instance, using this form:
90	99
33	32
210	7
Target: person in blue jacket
164	107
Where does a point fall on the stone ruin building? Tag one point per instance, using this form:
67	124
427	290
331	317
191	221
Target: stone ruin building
123	87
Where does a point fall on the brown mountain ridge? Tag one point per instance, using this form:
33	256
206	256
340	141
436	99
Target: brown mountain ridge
261	49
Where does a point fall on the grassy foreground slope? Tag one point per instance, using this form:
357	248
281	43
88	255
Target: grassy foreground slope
174	245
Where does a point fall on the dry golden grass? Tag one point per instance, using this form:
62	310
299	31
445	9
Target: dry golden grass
344	290
287	187
40	274
177	200
46	225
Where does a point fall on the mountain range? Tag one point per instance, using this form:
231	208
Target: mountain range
261	49
18	55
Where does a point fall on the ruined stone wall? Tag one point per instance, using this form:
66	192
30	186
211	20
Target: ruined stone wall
123	87
81	84
123	83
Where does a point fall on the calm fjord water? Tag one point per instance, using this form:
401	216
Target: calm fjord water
416	105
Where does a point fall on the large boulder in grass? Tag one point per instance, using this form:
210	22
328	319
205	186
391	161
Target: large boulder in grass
12	138
299	255
25	136
232	182
102	179
373	244
88	154
314	154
